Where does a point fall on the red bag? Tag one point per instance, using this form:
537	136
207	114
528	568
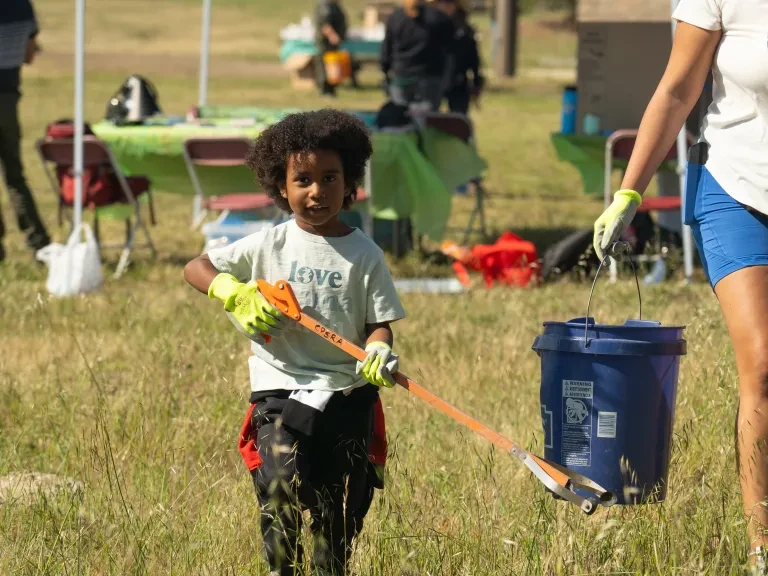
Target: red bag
510	260
246	443
377	451
249	450
100	184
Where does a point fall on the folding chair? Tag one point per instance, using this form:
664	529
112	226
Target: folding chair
96	154
221	152
620	145
461	127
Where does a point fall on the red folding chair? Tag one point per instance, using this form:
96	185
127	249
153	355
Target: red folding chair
461	127
619	146
221	152
59	153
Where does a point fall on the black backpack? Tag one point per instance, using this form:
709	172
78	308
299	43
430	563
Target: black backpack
576	248
135	101
563	256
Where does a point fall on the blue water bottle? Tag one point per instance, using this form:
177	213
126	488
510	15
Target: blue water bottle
568	118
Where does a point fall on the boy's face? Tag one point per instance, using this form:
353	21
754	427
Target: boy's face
315	191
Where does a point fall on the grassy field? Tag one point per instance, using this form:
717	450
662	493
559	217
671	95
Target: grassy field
138	391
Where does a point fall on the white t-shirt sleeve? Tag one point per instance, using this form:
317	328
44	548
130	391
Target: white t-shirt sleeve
238	258
382	303
706	14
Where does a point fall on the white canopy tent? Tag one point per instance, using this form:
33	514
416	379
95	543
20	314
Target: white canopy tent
682	145
79	115
80	90
205	51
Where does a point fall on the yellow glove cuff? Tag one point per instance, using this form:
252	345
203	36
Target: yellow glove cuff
631	194
222	287
378	343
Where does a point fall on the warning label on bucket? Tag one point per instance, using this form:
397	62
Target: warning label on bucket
577	423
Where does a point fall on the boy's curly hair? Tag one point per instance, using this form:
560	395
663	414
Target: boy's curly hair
326	129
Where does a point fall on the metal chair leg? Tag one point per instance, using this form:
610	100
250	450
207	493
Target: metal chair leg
96	229
477	212
469	229
122	264
480	202
149	239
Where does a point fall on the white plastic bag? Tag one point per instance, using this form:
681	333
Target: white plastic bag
74	267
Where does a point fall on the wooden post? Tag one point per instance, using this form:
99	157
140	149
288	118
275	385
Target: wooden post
506	20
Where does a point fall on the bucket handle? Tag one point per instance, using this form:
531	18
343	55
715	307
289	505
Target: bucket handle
594	282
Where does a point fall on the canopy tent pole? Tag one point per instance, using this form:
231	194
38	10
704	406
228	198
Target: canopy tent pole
205	47
79	115
682	156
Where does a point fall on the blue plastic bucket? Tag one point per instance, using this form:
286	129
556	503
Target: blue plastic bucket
608	402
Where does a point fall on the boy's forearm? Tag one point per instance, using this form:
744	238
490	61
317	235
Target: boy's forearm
200	272
379	333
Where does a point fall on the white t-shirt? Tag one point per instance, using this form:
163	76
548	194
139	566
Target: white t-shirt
736	124
342	282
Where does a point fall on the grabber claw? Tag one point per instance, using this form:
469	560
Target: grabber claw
559	480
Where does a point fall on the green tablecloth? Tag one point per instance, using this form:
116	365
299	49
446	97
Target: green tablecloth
587	154
259	114
405	182
270	115
360	49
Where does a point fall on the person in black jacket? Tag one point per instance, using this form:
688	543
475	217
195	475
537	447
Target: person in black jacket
330	32
18	45
413	54
464	58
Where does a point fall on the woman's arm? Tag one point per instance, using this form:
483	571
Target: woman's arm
692	55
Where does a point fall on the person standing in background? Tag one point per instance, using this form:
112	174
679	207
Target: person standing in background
413	54
464	58
330	32
18	45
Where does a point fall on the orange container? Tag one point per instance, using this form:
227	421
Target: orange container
338	66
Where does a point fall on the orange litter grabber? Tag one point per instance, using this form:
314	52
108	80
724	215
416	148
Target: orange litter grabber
559	480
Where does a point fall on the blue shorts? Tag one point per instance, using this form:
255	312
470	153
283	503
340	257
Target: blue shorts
729	235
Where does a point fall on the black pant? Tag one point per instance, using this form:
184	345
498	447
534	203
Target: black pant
458	99
424	93
326	473
10	157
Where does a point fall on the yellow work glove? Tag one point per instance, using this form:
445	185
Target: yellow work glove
379	365
246	305
614	221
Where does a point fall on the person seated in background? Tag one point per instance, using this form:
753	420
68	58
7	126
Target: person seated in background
330	32
464	58
413	54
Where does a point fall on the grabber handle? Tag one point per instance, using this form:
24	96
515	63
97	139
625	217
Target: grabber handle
558	479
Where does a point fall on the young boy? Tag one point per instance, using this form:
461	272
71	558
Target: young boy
312	410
